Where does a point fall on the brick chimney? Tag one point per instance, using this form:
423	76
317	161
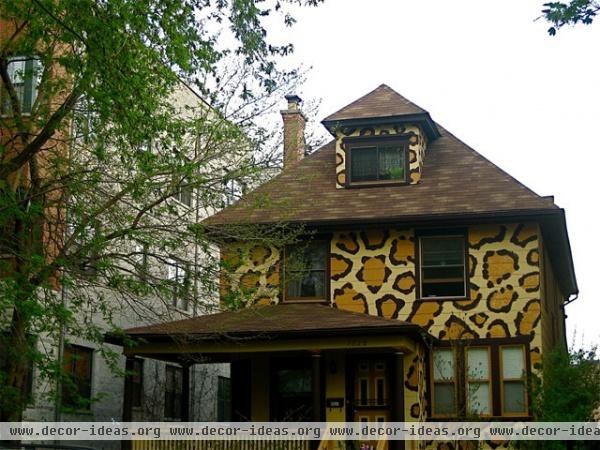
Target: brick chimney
293	131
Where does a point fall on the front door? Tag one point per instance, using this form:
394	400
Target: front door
371	390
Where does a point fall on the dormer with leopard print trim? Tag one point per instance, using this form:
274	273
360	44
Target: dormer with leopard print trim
380	139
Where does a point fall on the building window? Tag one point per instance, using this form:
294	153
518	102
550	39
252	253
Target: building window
443	267
135	367
444	382
514	395
177	275
24	74
306	271
224	399
140	259
184	193
173	392
479	391
492	383
292	388
77	385
377	160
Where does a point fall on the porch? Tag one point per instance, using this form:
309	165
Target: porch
294	362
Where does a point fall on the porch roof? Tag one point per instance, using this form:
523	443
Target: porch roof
282	320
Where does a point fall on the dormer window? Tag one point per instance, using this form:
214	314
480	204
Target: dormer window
376	160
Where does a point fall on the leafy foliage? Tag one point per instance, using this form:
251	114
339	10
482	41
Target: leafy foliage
566	390
572	13
104	180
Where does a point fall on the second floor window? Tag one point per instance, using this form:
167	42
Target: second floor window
23	73
306	271
443	268
177	275
185	193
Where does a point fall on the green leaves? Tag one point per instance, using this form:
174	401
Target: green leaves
577	11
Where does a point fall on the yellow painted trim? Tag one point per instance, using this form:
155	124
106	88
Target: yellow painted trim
399	343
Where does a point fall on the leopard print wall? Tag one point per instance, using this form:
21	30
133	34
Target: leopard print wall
249	274
374	272
417	143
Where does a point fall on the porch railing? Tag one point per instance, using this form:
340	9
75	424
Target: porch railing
221	445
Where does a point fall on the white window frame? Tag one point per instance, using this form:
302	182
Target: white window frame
27	85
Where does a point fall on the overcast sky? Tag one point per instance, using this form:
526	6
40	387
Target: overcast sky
491	75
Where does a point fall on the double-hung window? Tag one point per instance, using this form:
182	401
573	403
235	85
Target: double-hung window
479	380
24	74
376	160
479	390
306	271
442	266
444	382
514	396
185	192
177	275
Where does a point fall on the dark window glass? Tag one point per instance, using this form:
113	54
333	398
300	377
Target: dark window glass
442	266
306	271
377	163
137	381
293	392
364	391
224	400
77	385
380	391
173	392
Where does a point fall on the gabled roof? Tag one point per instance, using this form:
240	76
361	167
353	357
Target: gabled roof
456	181
381	102
307	320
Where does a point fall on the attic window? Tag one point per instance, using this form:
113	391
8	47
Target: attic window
376	160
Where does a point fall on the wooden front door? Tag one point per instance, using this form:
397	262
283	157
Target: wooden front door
371	399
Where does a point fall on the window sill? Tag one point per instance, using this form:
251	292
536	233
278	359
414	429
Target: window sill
380	183
308	300
437	299
480	418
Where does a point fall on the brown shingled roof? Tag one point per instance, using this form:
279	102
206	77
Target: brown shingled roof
381	102
288	319
456	180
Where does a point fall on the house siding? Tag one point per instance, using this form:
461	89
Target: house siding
375	271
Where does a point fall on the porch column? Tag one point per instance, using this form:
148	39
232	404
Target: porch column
317	405
316	388
398	399
185	394
127	398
